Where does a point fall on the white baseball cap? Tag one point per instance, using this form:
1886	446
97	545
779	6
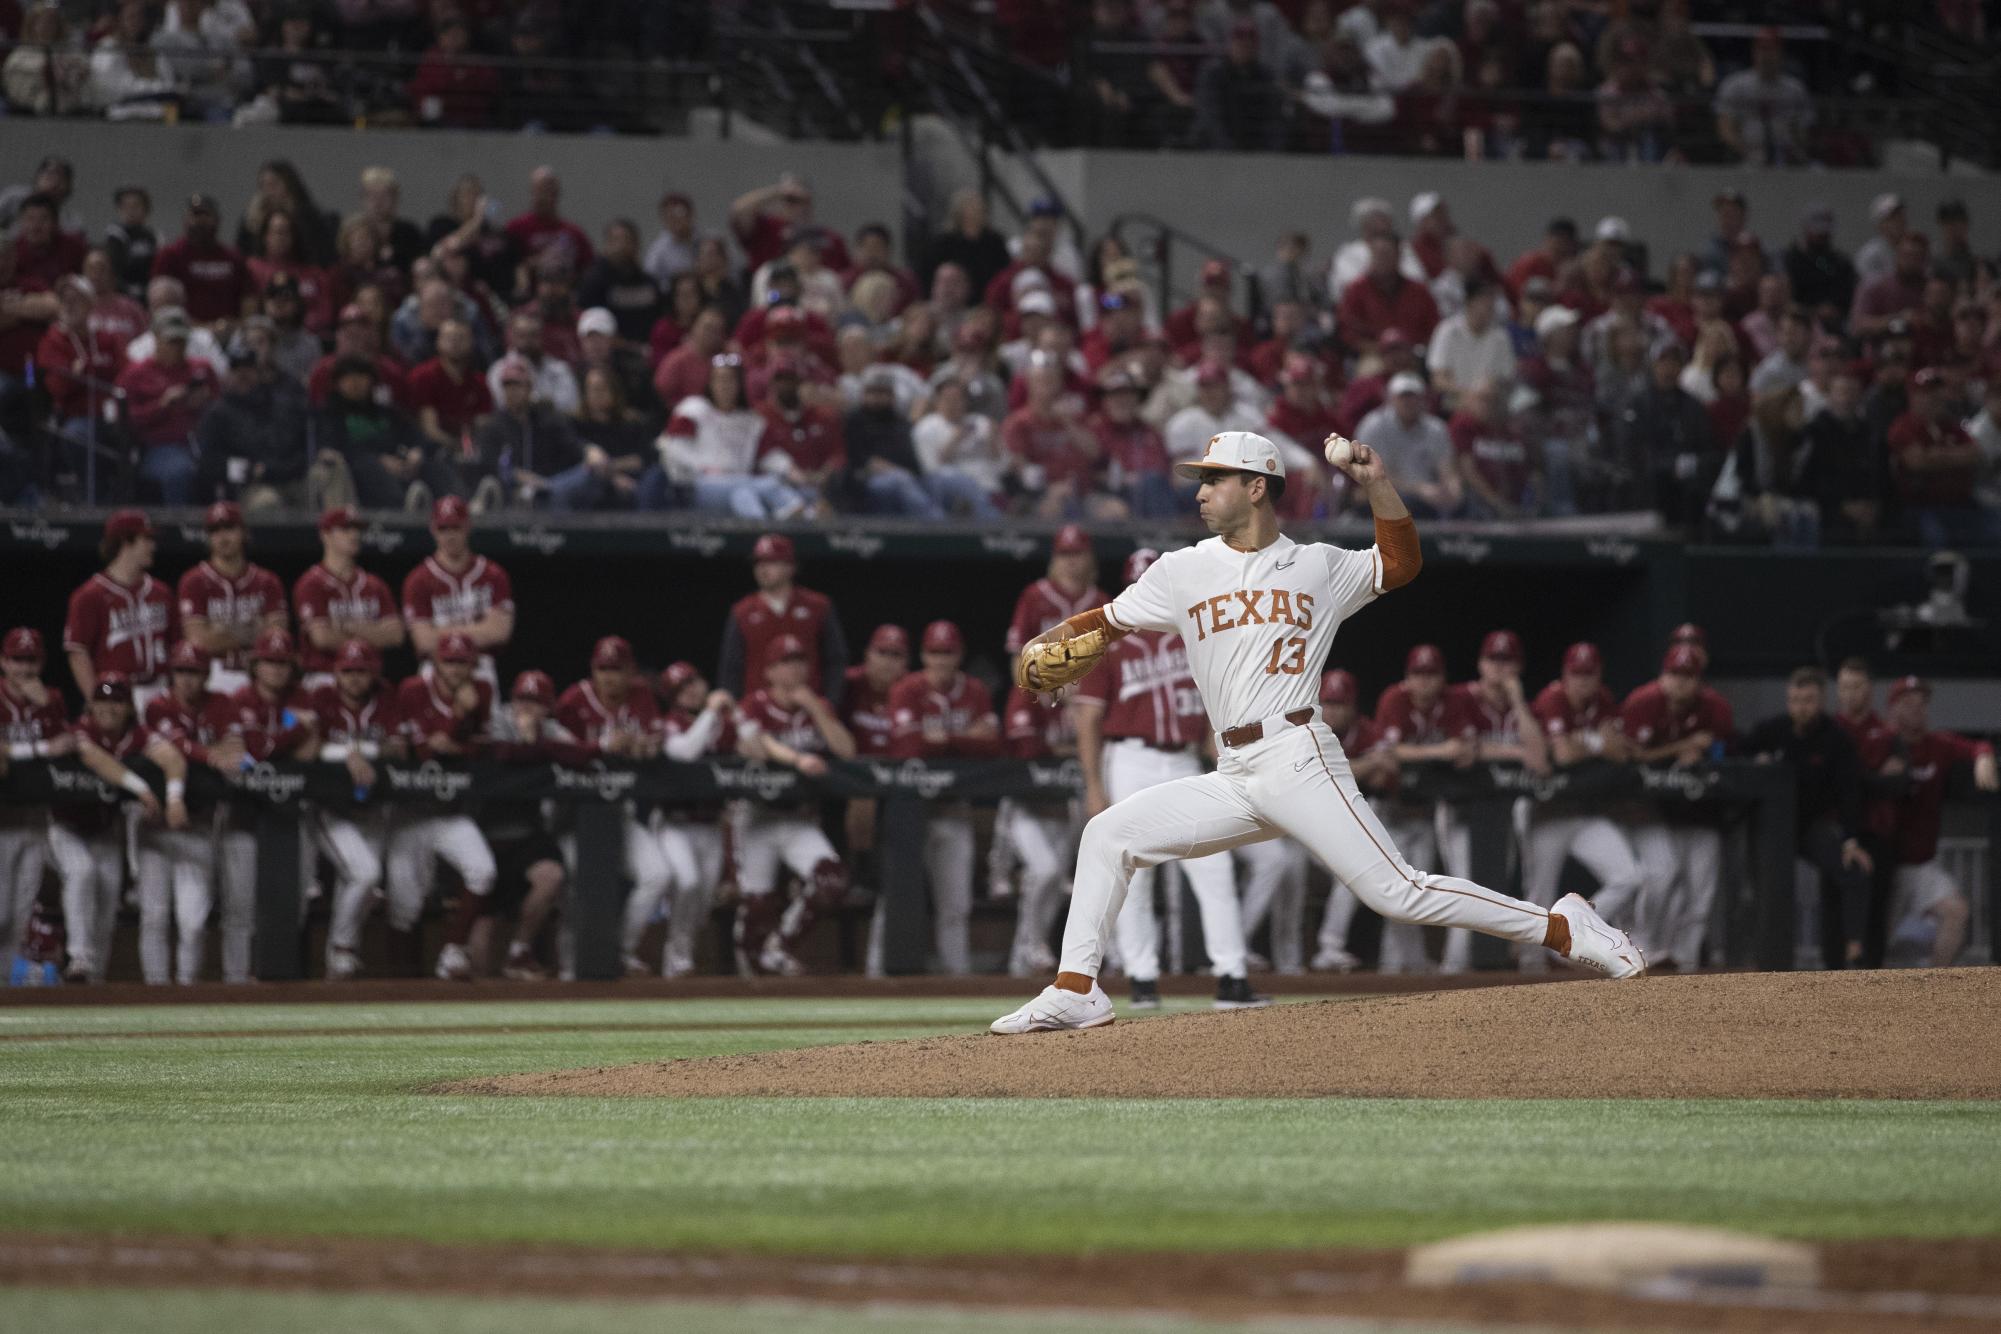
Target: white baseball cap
1404	382
1235	451
1422	205
1611	228
596	320
1885	204
1554	318
1038	302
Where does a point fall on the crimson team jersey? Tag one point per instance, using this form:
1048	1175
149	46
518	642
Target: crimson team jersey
1032	730
98	819
188	728
1402	722
1913	818
238	604
1862	730
259	721
422	713
865	710
367	725
593	721
453	601
322	595
1559	717
927	723
123	629
1043	605
1147	691
24	724
1361	737
1491	721
678	722
793	727
804	613
1651	721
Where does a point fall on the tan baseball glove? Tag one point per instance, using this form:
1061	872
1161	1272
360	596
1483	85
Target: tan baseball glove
1056	658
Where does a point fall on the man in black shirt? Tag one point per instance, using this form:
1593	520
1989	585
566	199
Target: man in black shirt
1829	775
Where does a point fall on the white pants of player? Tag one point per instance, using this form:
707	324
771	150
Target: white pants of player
93	871
1133	767
176	892
647	867
237	886
948	866
1294	781
1601	848
1681	865
1274	878
24	850
1040	836
353	842
1434	838
694	856
411	855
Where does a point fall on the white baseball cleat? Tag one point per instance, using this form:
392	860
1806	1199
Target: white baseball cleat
454	965
1334	959
1596	943
342	964
1057	1009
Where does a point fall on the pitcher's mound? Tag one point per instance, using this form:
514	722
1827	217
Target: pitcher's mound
1915	1034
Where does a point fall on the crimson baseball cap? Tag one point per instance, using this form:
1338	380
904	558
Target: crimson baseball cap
450	512
456	648
774	546
1337	687
1423	660
113	685
23	643
1683	660
1071	537
339	516
357	655
1503	645
274	645
1216	270
785	320
124	525
1582	659
677	675
943	637
786	646
1906	685
223	514
187	656
534	687
1139	562
889	639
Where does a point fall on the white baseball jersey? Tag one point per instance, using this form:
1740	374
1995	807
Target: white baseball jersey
1257	624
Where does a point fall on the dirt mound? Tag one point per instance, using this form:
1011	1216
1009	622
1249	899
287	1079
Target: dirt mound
1916	1034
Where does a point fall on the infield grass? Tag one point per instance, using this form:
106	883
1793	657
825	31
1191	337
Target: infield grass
302	1120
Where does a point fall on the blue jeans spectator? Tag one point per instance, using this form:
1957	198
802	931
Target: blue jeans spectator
956	490
894	491
1957	526
171	468
756	497
1152	495
576	488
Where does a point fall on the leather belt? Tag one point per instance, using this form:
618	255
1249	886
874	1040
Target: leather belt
1252	733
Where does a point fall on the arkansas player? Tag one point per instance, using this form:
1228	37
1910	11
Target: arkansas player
1420	721
1582	723
700	723
269	718
226	601
612	714
359	725
781	607
337	600
122	619
786	723
938	712
1038	831
1910	749
1140	722
1677	720
865	711
176	868
1069	587
1375	770
447	713
456	590
525	849
34	727
87	843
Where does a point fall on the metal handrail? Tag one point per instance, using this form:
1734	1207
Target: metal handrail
1161	253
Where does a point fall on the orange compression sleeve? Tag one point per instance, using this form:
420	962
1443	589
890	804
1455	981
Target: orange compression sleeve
1396	539
1095	619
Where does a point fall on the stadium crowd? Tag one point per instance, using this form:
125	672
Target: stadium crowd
228	669
1769	387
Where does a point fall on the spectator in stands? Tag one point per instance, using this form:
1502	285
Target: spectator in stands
1878	255
1471	347
72	354
470	225
526	454
1299	420
1215	409
452	86
447	392
383	449
1500	471
1120	98
543	231
44	75
203	346
685	370
252	438
1666	435
617	282
216	279
130	242
1416	447
1238	103
538	93
398	240
1385	298
968	242
600	349
1786	365
884	472
294	348
625	435
1840	466
1561	418
1763	113
1052	461
1635	118
1174	72
766	220
166	395
1898	292
555	383
1137	468
1548	260
1934	465
1396	53
278	255
952	438
127	81
973	365
802	443
1984	429
1561	124
1954	256
711	447
413	329
672	251
356	336
1823	279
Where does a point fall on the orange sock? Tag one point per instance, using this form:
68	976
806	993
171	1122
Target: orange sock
1556	935
1082	985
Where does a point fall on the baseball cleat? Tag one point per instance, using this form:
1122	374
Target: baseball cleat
1234	993
775	958
676	965
342	964
1030	961
1596	943
1058	1009
634	966
453	965
522	966
1146	995
1333	959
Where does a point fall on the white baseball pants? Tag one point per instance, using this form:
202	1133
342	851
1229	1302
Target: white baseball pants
411	857
1602	849
647	867
1131	768
1274	876
694	854
1040	836
354	844
1681	865
948	866
176	892
1434	837
24	848
93	871
1294	781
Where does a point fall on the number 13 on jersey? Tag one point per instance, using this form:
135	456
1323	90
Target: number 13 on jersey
1288	656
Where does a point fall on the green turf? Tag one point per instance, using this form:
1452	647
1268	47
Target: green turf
59	1311
214	1131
